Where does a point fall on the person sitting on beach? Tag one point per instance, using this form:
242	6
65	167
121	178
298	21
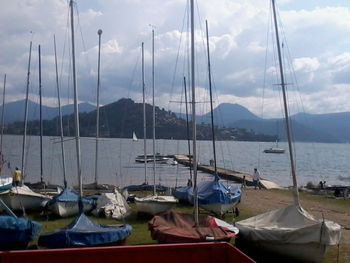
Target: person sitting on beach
256	179
16	177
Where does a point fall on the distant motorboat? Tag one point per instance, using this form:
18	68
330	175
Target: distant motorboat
274	150
149	158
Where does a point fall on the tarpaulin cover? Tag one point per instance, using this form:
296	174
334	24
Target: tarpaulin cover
113	205
177	227
17	232
83	232
181	193
291	224
23	190
69	195
213	192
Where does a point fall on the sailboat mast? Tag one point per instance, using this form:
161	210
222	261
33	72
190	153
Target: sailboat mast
211	99
24	142
2	126
76	109
60	117
40	118
144	112
2	116
283	85
188	129
154	120
194	130
99	32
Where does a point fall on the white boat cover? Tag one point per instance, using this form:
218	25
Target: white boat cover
291	224
113	205
23	190
157	199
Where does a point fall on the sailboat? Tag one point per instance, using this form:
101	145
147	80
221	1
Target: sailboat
275	149
134	138
22	197
5	182
291	231
214	196
181	193
15	233
153	204
175	226
82	232
65	204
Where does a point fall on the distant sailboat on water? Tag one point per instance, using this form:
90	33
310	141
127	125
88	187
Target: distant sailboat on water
275	149
134	138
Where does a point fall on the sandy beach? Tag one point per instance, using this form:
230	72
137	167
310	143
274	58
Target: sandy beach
259	201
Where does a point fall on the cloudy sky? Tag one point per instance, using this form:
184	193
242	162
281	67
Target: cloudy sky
315	36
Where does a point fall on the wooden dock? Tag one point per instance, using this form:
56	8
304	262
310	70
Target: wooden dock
225	173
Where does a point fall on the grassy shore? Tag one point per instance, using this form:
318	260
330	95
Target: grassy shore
253	203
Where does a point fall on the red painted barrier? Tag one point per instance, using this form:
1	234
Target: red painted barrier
218	252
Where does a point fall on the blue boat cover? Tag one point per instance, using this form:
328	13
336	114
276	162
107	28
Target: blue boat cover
15	233
213	192
82	232
69	195
181	193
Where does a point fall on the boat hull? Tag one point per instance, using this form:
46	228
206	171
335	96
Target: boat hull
153	205
20	201
309	252
274	150
66	209
5	183
218	209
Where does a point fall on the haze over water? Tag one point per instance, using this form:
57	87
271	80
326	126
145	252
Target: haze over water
314	161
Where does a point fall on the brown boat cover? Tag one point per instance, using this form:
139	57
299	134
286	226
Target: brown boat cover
177	227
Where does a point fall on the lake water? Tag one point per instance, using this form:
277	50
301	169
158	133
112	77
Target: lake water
314	161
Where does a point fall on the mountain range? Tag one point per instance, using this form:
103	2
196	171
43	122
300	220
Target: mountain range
14	111
331	127
120	119
125	116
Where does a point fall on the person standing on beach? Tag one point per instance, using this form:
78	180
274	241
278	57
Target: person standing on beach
256	179
16	177
244	183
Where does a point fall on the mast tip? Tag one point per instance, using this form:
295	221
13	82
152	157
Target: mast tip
99	32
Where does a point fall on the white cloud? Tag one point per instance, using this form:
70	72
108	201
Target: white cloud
306	64
316	37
